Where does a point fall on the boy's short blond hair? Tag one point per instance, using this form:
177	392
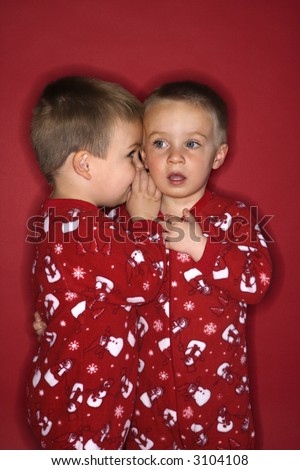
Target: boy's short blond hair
198	94
78	113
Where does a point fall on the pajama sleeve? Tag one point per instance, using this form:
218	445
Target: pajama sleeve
129	266
236	257
113	266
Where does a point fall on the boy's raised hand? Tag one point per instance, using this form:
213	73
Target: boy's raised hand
144	199
184	235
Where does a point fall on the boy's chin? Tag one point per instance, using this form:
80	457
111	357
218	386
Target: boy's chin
121	201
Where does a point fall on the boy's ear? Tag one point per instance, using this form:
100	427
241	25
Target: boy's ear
220	156
144	158
81	164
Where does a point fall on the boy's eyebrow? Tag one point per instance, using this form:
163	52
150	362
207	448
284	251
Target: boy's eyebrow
137	144
163	132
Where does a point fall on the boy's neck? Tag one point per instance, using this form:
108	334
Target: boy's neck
59	193
175	206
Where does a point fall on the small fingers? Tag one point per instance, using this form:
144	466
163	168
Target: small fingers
38	324
164	225
37	317
39	328
139	166
152	188
172	219
136	183
187	216
139	179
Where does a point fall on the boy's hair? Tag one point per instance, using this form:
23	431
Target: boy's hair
78	113
197	93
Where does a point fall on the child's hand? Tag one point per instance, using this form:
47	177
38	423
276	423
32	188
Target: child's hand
184	236
38	325
138	162
144	199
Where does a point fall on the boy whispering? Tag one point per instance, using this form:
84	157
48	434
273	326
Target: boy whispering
89	273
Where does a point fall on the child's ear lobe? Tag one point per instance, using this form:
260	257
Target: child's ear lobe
81	164
220	156
144	158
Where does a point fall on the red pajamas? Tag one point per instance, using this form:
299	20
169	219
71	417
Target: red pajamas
193	388
90	276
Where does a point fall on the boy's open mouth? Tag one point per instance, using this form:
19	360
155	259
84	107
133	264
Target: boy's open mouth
176	178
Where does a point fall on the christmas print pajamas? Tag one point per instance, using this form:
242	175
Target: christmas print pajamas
193	386
90	276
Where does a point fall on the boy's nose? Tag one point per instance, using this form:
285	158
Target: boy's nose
176	157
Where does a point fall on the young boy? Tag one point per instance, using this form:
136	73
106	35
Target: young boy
193	389
89	273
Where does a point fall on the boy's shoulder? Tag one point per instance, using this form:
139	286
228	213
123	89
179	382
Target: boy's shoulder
218	204
63	216
118	214
70	208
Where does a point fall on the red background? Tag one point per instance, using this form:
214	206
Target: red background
248	50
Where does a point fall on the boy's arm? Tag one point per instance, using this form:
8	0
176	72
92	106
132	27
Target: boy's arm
234	257
130	263
138	254
125	263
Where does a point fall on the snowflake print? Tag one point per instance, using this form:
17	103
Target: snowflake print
73	346
41	393
189	306
150	352
74	212
188	413
119	411
174	283
163	375
70	296
92	368
264	279
63	323
210	328
183	257
157	325
243	360
146	285
58	248
78	273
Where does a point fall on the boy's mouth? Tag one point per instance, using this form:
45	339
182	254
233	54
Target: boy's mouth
176	178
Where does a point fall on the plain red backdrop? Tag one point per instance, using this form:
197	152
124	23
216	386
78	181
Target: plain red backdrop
250	52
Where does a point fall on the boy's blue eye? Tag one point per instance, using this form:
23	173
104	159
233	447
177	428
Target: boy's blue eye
159	144
131	154
192	144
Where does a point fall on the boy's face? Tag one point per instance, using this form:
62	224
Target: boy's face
180	148
115	173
